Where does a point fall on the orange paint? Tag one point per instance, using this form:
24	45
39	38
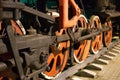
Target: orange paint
64	20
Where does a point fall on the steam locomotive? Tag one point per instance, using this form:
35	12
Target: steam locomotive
33	45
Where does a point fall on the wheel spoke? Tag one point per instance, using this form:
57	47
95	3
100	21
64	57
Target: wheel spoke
107	35
81	49
16	28
96	43
57	59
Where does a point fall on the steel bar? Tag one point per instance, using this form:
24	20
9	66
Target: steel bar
105	29
37	71
80	38
13	49
18	5
89	36
29	41
93	34
32	41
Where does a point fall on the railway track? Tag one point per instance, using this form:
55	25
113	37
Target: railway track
93	61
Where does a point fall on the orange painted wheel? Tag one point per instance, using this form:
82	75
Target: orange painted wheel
107	35
0	25
97	41
81	49
57	59
17	27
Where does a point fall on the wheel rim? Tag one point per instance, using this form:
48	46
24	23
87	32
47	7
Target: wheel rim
0	25
107	35
81	49
57	60
97	42
16	28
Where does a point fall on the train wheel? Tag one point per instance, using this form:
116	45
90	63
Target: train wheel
97	41
57	59
17	27
107	35
81	49
0	25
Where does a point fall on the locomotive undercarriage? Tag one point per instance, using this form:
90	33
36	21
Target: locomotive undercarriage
28	54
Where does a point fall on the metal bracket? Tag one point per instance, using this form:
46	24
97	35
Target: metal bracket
13	49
